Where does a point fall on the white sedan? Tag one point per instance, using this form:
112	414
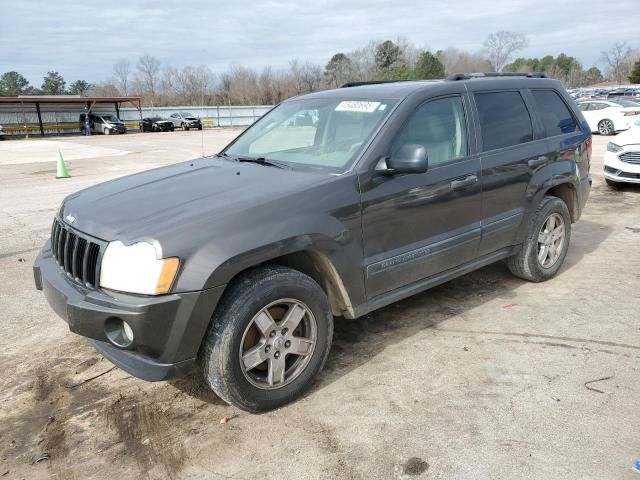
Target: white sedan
622	158
607	117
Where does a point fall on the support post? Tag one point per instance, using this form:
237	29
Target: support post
40	118
117	110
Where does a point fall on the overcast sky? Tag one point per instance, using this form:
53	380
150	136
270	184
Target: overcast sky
82	39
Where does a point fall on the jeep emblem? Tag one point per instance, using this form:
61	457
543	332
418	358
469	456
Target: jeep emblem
70	219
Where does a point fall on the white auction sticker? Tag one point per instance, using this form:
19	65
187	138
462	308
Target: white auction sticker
357	106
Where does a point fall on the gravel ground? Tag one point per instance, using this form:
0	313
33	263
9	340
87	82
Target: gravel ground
485	377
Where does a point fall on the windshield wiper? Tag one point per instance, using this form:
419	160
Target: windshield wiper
224	155
263	161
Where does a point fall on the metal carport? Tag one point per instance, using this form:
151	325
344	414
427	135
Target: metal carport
70	100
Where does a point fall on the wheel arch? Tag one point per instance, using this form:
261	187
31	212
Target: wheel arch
304	255
559	179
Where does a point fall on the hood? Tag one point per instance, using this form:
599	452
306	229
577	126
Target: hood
148	205
628	137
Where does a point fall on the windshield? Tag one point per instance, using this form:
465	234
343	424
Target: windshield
187	115
313	133
626	103
109	118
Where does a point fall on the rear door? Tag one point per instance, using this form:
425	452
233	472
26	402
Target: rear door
566	142
418	225
512	147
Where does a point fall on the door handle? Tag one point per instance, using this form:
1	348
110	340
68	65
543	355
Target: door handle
536	162
465	182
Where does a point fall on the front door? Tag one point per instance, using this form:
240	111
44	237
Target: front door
418	225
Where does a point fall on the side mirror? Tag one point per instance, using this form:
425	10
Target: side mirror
409	158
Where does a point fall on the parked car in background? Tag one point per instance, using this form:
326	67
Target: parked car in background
624	92
103	123
607	117
2	133
335	203
622	158
185	120
156	124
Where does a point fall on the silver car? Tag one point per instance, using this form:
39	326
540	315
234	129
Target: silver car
185	120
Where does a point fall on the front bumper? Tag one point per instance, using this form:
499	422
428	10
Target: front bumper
168	329
618	171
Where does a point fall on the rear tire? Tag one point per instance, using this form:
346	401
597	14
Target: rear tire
546	244
247	356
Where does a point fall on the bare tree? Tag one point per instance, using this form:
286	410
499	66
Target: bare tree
122	73
363	62
148	75
501	46
616	59
457	61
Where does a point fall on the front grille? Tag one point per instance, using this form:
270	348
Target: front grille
631	157
76	255
630	175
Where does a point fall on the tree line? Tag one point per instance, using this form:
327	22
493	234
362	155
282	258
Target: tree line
400	59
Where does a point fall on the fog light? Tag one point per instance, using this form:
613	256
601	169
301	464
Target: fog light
128	333
118	332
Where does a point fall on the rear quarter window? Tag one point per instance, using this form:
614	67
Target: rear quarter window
504	119
553	112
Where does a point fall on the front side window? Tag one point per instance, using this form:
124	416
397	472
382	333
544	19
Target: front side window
439	126
553	112
316	133
504	119
583	106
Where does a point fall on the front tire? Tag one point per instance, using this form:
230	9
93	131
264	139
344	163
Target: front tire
106	131
612	183
268	339
185	126
547	242
605	127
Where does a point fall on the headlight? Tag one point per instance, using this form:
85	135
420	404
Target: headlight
612	147
135	269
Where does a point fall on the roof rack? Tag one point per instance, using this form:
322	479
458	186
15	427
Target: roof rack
369	82
468	76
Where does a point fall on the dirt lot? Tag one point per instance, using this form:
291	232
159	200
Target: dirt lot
481	378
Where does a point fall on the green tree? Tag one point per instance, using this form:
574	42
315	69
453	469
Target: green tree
12	84
635	73
338	69
80	87
53	84
593	75
387	55
399	73
428	67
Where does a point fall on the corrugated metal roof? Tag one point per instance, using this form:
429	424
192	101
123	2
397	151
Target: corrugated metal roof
67	99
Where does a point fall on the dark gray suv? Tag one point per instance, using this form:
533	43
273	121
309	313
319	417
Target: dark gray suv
333	204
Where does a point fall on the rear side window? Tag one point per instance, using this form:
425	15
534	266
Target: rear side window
504	119
553	112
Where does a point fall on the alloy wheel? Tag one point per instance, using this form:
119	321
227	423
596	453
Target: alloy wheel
278	344
551	240
605	127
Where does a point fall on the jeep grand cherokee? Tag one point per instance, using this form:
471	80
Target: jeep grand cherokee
333	204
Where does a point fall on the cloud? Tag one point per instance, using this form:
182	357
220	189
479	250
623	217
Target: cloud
85	39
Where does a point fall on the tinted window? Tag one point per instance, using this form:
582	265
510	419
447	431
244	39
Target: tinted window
583	106
553	113
504	119
440	127
598	106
